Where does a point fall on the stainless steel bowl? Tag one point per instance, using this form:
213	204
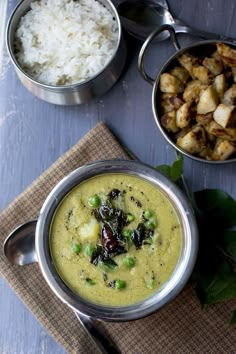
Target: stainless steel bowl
168	291
198	47
76	93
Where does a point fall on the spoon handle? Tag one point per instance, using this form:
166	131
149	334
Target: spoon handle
100	338
179	28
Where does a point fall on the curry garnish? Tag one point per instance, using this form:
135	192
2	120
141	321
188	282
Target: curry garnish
113	235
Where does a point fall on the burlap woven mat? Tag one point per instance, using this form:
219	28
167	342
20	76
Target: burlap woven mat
180	327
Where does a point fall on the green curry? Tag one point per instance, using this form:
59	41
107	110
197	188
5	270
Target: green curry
115	239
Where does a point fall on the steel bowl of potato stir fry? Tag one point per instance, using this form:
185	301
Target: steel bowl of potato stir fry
194	99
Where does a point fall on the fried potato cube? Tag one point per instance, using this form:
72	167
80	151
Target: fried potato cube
208	101
169	101
194	141
188	62
170	84
223	150
176	102
183	116
168	120
223	114
230	95
216	55
234	72
211	138
182	132
165	103
90	231
220	132
204	119
192	91
228	54
181	73
220	85
214	65
202	74
197	105
206	152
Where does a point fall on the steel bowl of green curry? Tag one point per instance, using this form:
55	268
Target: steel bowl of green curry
116	240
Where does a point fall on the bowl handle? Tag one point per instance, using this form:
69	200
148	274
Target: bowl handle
98	335
146	44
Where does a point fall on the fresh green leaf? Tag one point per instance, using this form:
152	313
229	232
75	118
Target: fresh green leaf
233	318
220	287
173	172
177	168
214	275
165	170
229	243
218	207
215	211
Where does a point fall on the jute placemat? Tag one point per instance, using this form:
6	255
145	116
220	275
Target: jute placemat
180	327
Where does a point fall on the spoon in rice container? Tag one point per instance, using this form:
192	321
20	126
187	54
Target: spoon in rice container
140	18
19	249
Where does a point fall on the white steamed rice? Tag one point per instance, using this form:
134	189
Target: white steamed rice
62	42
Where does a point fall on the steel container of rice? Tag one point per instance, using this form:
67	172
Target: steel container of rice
76	93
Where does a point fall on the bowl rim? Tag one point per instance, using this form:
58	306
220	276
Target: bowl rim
155	108
58	88
178	278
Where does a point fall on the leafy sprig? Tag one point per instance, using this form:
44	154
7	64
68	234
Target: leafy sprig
173	172
214	275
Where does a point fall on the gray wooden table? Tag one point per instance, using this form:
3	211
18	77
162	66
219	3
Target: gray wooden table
33	134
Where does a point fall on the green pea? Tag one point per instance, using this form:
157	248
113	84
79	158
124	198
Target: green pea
129	262
94	201
147	214
130	217
150	283
90	282
126	233
120	284
89	250
151	224
76	248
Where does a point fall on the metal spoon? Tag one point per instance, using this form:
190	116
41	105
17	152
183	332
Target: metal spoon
140	18
19	248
